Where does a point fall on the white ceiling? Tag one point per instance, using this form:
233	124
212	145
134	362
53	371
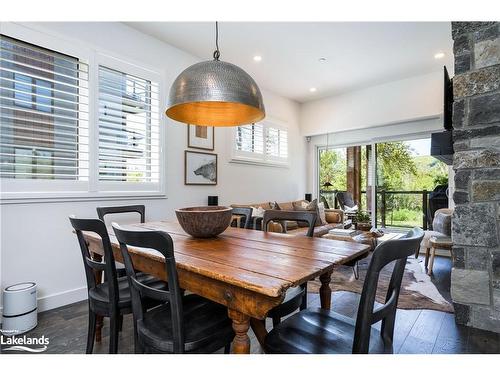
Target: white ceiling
359	54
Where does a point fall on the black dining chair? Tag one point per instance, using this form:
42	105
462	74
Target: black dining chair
139	208
111	210
110	298
296	297
180	324
246	214
283	216
321	331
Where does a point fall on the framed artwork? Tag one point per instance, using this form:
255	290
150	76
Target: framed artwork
200	168
202	137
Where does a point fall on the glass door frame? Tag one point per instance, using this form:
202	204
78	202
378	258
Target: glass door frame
371	180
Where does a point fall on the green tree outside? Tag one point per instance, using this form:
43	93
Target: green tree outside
399	168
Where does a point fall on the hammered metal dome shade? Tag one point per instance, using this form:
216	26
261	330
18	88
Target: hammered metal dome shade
215	93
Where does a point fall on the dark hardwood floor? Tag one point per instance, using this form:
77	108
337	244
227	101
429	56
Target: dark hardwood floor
417	331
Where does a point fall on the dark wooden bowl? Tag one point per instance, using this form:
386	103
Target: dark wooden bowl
204	222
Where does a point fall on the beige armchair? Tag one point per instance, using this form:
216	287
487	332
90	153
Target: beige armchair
441	227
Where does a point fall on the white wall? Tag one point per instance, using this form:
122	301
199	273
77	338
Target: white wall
36	239
394	102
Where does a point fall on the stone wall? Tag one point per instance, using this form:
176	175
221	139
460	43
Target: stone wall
475	277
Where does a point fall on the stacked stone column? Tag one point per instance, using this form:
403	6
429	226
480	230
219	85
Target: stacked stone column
475	278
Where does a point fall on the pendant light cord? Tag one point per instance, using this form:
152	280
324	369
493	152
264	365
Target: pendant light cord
216	52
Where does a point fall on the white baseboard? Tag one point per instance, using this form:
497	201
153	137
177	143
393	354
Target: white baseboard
67	297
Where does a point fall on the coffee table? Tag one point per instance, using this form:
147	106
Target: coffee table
363	237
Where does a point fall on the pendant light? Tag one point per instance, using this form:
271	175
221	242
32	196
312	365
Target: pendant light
327	183
215	93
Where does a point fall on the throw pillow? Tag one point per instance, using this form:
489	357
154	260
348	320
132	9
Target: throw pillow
257	211
313	206
305	206
275	226
321	213
274	205
332	217
351	209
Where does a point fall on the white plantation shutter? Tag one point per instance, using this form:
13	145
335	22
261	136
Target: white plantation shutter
284	144
73	130
129	139
277	143
44	113
261	143
250	139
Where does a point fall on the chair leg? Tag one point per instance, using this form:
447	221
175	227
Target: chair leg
431	261
138	349
113	333
276	321
227	349
355	271
91	332
303	304
120	323
427	252
387	329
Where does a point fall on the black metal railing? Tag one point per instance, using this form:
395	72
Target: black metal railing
386	205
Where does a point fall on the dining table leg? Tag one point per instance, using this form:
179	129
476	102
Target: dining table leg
241	324
325	292
98	279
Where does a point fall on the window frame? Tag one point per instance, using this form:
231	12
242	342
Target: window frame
246	157
38	190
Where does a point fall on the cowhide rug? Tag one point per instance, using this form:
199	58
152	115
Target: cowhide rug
417	289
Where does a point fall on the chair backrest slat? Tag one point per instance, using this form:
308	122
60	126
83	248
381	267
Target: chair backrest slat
97	266
308	217
162	242
148	292
139	208
390	251
91	266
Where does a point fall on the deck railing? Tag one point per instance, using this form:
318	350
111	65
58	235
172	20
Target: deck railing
387	204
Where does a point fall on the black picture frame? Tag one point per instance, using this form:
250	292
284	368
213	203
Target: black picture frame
206	170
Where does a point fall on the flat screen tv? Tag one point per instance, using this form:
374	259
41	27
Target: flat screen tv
448	101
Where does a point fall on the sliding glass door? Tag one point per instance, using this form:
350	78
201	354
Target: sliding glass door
392	181
345	169
406	174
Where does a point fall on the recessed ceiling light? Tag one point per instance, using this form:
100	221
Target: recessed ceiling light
257	58
312	89
322	59
439	55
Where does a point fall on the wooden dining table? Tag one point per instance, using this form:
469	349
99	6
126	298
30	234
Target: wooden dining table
246	270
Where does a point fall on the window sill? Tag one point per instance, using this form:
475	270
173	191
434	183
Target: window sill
25	198
262	163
